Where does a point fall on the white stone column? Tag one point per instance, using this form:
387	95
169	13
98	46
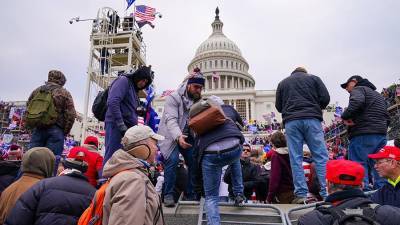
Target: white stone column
206	84
234	103
219	82
243	84
226	82
212	83
247	110
252	106
233	82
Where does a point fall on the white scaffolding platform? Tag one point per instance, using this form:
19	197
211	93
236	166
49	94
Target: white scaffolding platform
116	46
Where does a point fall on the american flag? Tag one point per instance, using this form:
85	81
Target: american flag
215	76
145	13
166	93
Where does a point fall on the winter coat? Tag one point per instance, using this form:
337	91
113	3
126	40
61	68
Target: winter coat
281	180
8	173
387	195
58	200
226	130
130	197
37	163
385	214
63	101
301	96
122	103
174	119
249	176
368	110
14	191
93	159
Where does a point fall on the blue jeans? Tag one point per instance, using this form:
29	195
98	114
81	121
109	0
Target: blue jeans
113	140
212	169
307	131
51	138
170	171
359	148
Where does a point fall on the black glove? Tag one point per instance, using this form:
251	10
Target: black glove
122	128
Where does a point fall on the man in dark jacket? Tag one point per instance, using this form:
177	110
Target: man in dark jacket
300	98
55	201
8	173
388	166
53	137
367	120
123	107
217	148
344	187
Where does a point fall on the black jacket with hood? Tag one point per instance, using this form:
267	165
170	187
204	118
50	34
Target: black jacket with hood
368	110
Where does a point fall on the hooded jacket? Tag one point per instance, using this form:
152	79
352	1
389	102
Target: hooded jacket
301	96
122	103
174	119
281	180
54	201
63	101
130	197
123	99
37	163
368	110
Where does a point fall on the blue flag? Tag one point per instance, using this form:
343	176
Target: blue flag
130	2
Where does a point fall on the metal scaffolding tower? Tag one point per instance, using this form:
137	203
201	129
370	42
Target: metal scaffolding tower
116	46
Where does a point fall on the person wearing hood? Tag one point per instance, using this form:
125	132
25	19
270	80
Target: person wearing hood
92	158
367	119
300	98
130	197
37	164
53	136
174	127
281	180
123	106
57	200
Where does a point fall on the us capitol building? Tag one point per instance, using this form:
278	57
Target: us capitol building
227	76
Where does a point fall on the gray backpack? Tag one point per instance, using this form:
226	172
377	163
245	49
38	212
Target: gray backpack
362	212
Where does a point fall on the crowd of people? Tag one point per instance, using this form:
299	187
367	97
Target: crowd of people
199	150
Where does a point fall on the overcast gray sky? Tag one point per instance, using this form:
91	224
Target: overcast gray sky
332	39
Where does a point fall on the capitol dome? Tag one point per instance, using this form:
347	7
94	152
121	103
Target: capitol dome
221	62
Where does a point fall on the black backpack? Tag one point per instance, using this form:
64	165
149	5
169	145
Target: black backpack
362	212
99	107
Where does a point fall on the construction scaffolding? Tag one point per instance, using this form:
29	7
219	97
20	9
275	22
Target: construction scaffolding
116	46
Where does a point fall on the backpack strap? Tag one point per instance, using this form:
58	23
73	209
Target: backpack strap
370	211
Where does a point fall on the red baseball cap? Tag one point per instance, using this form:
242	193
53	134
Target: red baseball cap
344	172
387	152
92	140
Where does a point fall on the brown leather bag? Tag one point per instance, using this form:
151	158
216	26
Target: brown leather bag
205	115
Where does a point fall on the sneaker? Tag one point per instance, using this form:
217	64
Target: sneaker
299	200
169	201
239	200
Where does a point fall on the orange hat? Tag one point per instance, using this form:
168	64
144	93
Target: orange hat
387	152
91	140
344	172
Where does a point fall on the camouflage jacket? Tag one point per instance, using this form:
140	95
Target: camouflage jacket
62	100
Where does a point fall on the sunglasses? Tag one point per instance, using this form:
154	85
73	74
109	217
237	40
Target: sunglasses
246	150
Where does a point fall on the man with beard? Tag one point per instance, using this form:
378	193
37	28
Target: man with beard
123	107
174	127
